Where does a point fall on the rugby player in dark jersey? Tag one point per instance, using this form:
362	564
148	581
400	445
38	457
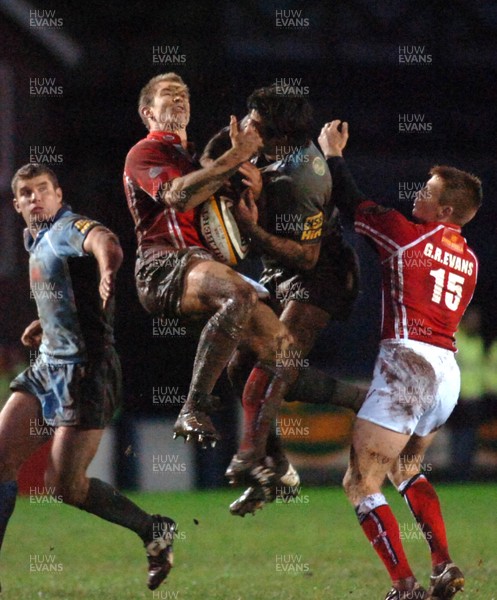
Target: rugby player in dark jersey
73	387
311	272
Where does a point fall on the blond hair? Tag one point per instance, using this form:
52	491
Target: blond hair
148	91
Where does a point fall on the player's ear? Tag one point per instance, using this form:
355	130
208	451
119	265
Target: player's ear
58	193
446	211
16	204
147	112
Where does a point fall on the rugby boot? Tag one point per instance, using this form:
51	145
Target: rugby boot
446	585
417	593
160	551
238	471
245	470
289	484
254	497
193	422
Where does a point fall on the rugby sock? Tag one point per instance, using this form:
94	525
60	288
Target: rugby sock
382	530
8	494
267	414
252	400
317	387
218	340
425	506
107	503
274	449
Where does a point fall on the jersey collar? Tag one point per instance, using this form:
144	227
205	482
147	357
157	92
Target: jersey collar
173	139
167	137
453	226
28	238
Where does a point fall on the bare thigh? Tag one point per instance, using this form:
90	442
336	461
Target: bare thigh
208	284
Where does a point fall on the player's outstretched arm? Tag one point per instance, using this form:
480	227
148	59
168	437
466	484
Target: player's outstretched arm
332	140
105	247
188	191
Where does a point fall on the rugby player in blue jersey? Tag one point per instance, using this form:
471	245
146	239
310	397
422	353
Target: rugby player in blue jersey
73	387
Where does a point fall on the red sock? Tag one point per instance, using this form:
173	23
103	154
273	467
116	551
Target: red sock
425	506
382	530
252	399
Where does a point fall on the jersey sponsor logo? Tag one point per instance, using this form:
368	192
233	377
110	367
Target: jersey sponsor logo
313	227
154	172
453	240
447	258
83	225
319	166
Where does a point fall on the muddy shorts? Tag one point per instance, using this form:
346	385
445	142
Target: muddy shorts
414	389
83	395
160	276
332	285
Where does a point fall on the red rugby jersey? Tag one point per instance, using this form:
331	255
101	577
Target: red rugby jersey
428	275
151	163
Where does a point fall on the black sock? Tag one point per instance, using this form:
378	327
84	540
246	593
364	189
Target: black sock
107	503
8	494
317	387
274	449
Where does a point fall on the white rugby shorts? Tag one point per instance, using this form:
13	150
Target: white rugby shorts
415	387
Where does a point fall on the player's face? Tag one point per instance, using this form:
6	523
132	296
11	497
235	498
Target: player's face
170	109
37	200
427	207
270	142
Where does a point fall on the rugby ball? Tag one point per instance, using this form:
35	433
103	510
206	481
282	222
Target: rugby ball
220	231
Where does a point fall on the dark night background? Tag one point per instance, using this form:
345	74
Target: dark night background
348	57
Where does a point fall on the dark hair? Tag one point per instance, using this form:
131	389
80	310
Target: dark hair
31	170
284	115
461	190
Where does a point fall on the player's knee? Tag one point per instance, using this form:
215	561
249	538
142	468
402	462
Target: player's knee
243	297
348	483
235	310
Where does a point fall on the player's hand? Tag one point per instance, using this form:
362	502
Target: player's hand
333	138
247	141
31	336
245	210
252	178
107	287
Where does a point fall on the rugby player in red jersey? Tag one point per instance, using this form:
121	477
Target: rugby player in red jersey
416	378
177	275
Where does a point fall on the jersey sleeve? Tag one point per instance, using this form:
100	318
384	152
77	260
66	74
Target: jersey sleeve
150	169
295	212
69	233
346	195
387	228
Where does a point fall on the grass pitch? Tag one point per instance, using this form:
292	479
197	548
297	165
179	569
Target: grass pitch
312	550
